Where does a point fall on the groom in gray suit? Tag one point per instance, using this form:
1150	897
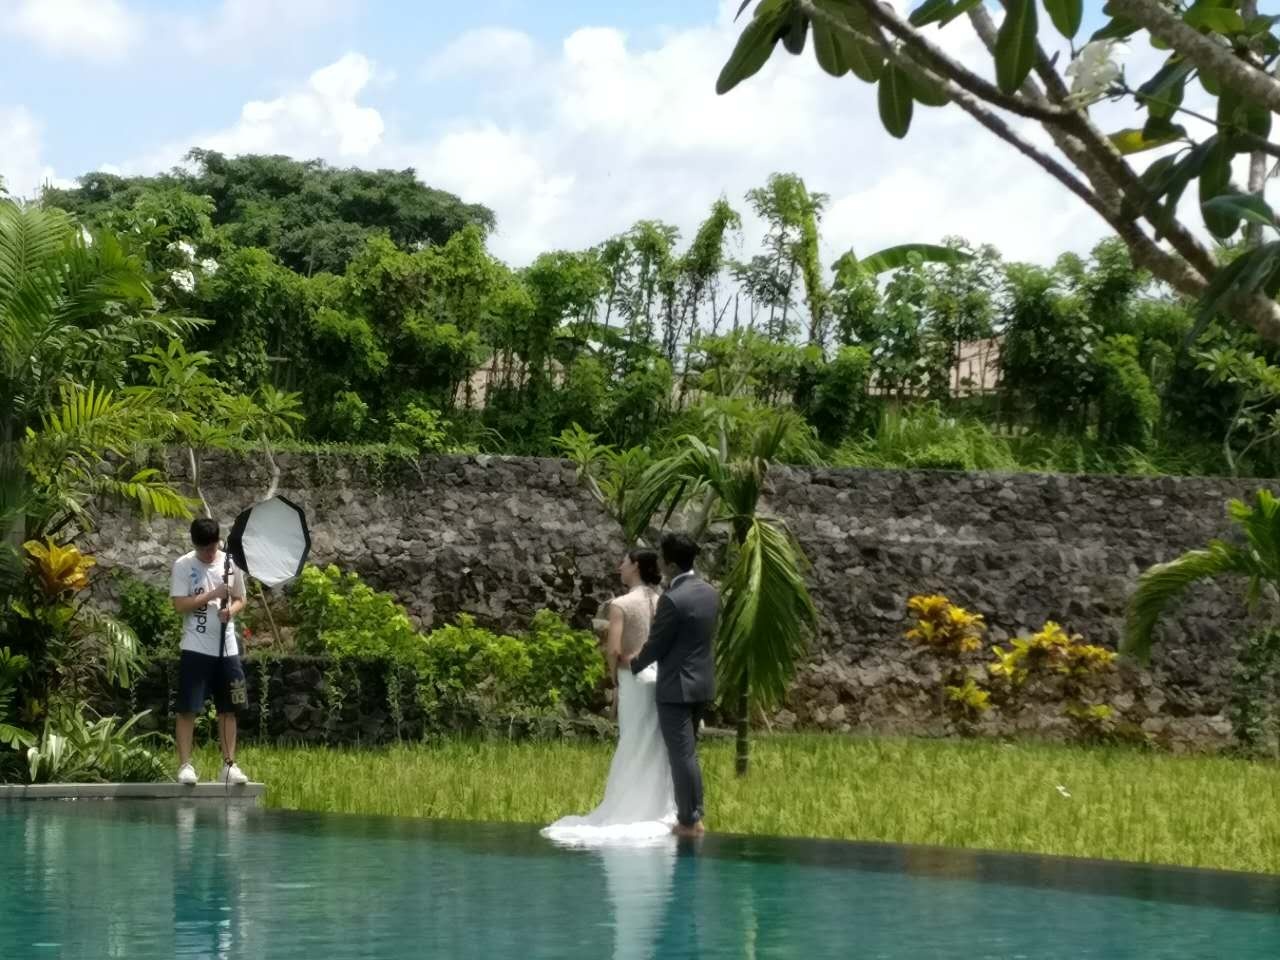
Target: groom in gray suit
681	642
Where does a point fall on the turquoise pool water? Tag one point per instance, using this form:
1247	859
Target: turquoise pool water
95	880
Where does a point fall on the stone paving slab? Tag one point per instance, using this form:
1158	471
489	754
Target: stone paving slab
249	794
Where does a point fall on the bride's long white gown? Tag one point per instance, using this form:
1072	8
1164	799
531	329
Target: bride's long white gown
639	803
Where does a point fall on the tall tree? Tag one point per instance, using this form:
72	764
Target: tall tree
311	216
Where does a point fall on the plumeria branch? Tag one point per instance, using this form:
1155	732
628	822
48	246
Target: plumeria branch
1114	191
1204	51
938	61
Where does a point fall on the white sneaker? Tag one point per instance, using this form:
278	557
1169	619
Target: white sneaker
187	775
232	774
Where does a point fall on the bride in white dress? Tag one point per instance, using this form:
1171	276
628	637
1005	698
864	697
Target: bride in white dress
639	803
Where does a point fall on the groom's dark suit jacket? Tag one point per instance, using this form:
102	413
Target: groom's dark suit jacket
681	642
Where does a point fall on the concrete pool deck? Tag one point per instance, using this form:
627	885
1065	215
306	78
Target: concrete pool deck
249	794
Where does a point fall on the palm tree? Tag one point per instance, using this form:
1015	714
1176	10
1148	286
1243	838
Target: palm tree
73	307
768	615
1257	559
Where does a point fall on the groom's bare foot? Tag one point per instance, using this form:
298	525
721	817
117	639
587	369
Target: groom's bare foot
689	832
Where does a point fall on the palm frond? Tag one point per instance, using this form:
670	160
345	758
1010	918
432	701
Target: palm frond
121	652
31	242
768	614
149	492
1160	584
98	275
1261	526
668	483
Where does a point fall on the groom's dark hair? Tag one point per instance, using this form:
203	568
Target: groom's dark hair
679	550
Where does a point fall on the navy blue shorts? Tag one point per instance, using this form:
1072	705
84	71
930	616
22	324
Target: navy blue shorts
201	676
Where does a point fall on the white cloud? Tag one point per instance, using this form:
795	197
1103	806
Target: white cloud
99	30
608	134
21	166
580	142
321	118
486	50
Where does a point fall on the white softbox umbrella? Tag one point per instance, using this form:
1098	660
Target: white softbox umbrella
270	541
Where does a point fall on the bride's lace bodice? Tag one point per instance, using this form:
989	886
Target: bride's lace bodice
637	606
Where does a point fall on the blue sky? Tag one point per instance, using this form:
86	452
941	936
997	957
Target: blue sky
572	119
98	109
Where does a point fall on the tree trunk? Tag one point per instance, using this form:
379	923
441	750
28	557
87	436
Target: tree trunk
743	758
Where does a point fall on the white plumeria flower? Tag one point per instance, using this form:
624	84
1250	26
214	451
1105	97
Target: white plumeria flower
184	248
209	265
184	280
1064	791
1094	70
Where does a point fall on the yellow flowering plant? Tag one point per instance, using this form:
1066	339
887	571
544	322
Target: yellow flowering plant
944	626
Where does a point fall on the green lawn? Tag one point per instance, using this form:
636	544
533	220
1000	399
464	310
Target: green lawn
1123	804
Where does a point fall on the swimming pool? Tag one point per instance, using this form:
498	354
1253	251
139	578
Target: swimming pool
147	880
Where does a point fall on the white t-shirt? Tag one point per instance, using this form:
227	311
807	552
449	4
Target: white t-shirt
200	627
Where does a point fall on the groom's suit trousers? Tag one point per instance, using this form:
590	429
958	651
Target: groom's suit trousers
679	723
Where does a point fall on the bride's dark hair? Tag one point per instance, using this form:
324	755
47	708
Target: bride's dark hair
647	561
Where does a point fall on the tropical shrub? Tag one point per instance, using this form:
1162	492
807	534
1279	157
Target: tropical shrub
339	615
465	672
1051	654
951	632
945	627
62	652
925	438
74	747
1050	661
148	612
74	648
1254	686
566	663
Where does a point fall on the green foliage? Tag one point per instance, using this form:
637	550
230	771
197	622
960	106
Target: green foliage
311	216
466	674
12	667
74	649
71	311
768	615
1128	404
1253	691
1254	424
421	430
567	666
436	346
74	748
925	438
340	615
840	404
148	612
1205	41
1258	560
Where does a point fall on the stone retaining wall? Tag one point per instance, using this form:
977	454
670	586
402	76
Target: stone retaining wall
501	537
